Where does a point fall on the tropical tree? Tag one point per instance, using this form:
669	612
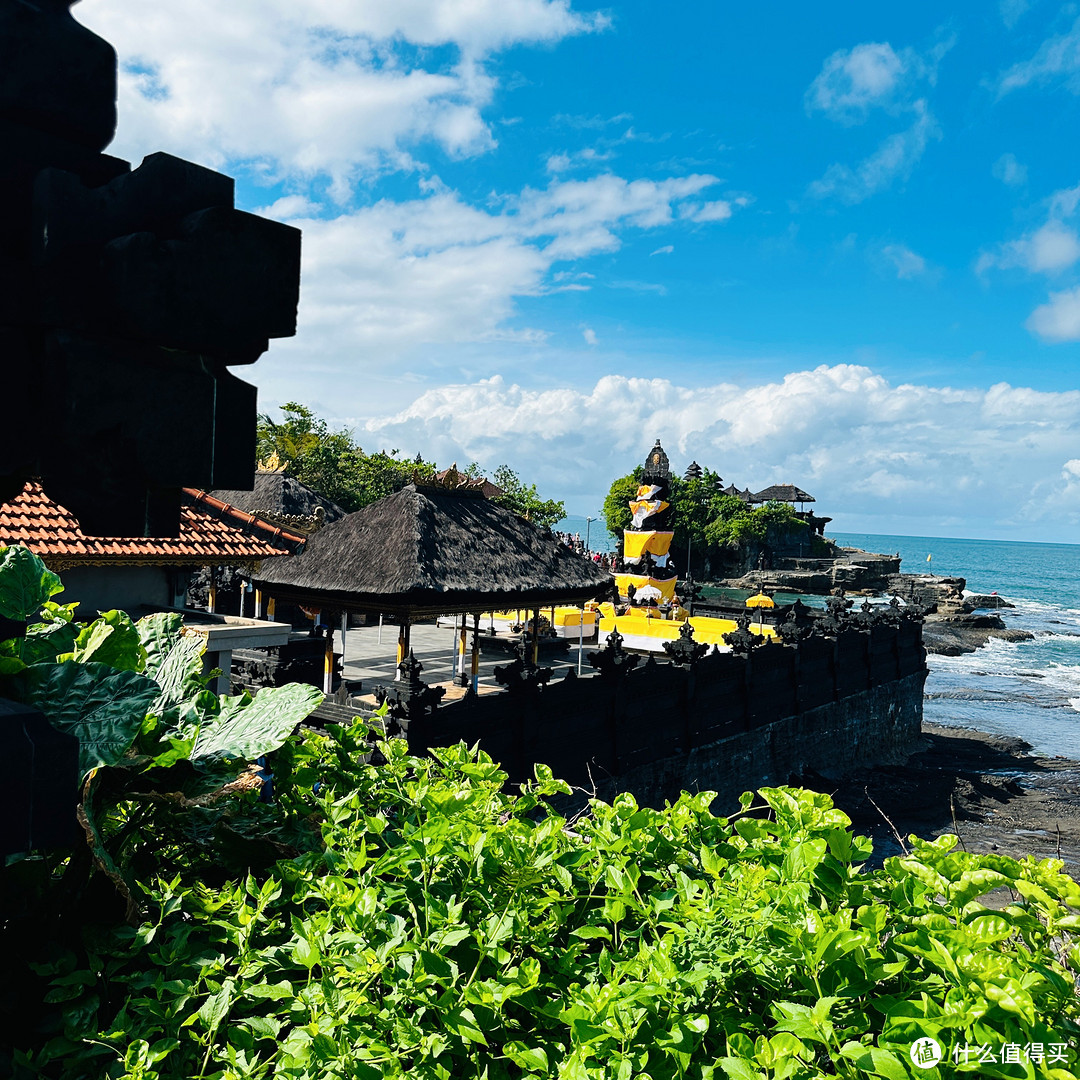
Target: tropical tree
616	509
332	462
524	500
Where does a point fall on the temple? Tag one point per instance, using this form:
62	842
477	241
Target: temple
647	541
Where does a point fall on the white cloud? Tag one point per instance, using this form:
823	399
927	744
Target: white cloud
587	156
289	206
667	249
851	82
906	262
1058	319
893	160
720	210
315	87
1049	249
589	334
387	278
1009	171
1057	60
861	445
1012	11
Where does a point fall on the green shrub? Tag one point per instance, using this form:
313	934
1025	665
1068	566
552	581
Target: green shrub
442	928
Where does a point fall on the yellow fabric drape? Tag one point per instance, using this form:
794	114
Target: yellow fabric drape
645	508
635	544
639	581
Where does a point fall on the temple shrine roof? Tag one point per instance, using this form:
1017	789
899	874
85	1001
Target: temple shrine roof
211	531
788	493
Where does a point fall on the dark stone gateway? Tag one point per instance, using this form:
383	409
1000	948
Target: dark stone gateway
125	295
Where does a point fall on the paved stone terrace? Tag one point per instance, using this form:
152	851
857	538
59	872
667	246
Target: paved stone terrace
435	647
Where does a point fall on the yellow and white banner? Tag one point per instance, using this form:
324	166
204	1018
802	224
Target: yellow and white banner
635	544
649	635
639	581
645	508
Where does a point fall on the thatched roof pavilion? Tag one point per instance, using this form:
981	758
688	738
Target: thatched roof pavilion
433	551
283	500
788	493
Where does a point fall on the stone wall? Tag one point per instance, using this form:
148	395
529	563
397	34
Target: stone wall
727	723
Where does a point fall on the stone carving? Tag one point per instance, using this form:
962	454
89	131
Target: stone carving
684	650
613	660
798	624
521	674
411	698
125	294
742	640
837	616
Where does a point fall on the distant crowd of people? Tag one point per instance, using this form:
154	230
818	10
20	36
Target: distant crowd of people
573	541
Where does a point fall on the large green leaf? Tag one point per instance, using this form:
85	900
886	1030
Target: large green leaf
102	707
159	634
111	639
173	661
46	641
25	583
248	729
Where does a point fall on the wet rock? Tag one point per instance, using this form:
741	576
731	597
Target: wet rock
983	601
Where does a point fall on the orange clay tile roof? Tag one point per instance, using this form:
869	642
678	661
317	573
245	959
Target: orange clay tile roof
211	531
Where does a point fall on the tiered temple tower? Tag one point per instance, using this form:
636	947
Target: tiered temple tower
647	542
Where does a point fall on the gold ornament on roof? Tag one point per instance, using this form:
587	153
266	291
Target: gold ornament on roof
273	464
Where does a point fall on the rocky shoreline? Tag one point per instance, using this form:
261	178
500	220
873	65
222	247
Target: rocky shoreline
955	624
989	790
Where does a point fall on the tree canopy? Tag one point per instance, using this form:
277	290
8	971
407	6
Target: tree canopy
703	518
334	464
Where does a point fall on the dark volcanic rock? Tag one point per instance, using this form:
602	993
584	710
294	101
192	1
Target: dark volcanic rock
982	601
952	635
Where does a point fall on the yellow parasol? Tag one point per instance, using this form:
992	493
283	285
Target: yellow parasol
760	600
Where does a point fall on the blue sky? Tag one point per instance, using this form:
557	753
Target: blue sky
835	245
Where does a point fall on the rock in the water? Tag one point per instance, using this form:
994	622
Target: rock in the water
983	601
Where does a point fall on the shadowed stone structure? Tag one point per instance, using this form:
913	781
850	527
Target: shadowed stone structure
125	295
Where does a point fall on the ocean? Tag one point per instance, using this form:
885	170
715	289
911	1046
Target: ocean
1029	688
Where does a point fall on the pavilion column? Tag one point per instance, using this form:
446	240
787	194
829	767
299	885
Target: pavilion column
402	645
476	654
258	604
580	637
328	661
536	638
270	609
463	644
211	595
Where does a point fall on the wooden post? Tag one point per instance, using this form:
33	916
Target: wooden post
258	604
344	627
463	644
328	662
536	638
403	645
270	609
580	637
476	654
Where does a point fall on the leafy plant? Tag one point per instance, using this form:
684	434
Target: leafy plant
416	919
444	928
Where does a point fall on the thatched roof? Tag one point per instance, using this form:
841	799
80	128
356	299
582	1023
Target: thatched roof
788	493
431	551
283	500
